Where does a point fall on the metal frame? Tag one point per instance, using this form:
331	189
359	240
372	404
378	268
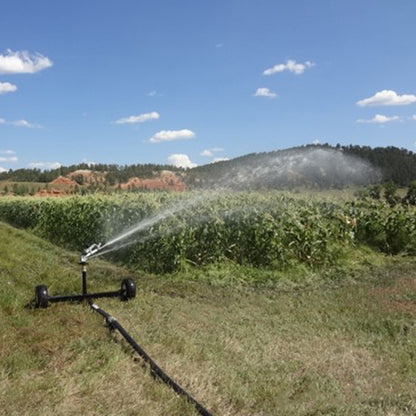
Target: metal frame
127	290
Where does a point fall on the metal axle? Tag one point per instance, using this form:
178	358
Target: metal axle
126	291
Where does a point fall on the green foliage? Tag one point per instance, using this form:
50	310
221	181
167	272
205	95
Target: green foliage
375	191
390	190
391	230
248	228
410	197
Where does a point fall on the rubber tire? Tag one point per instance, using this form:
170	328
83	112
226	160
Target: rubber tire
128	289
41	297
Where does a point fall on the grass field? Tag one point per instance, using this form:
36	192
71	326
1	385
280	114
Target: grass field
323	348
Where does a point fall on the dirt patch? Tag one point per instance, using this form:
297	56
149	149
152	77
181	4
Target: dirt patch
400	297
61	180
51	192
166	180
86	176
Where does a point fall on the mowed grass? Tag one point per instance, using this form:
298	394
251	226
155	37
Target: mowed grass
338	349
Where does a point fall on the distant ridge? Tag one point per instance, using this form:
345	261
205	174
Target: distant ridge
383	164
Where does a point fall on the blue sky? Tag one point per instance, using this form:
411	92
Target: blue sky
192	81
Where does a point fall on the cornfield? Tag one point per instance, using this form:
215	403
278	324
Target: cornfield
252	228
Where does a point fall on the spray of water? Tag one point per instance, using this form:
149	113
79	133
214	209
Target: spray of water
133	234
311	166
325	167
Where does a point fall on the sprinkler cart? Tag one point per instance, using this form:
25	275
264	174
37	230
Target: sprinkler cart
126	291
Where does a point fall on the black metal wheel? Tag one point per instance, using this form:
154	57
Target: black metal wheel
41	297
128	289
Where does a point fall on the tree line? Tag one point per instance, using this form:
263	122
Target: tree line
395	165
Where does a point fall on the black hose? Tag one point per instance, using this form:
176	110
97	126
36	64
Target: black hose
155	369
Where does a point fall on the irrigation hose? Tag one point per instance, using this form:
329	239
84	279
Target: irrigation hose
113	324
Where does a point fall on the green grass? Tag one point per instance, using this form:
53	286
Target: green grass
309	343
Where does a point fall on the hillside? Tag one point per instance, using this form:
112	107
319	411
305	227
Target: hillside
320	351
312	166
315	166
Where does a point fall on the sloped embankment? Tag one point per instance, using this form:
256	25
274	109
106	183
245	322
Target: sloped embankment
341	351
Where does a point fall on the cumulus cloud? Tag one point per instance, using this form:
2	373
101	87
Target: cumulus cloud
11	159
265	92
44	165
7	87
20	123
23	62
181	161
138	119
379	119
387	97
2	169
172	135
291	66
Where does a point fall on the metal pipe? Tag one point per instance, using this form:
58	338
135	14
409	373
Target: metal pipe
81	297
84	278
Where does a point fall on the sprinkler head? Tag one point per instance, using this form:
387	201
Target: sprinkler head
88	252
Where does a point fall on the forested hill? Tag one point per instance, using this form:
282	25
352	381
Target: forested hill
314	165
311	165
396	165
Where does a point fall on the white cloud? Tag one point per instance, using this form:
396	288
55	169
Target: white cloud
181	161
138	119
171	135
291	66
88	162
21	123
22	62
24	123
7	152
210	152
7	87
387	97
44	165
379	119
11	159
219	159
414	117
2	170
207	153
152	93
316	142
265	92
